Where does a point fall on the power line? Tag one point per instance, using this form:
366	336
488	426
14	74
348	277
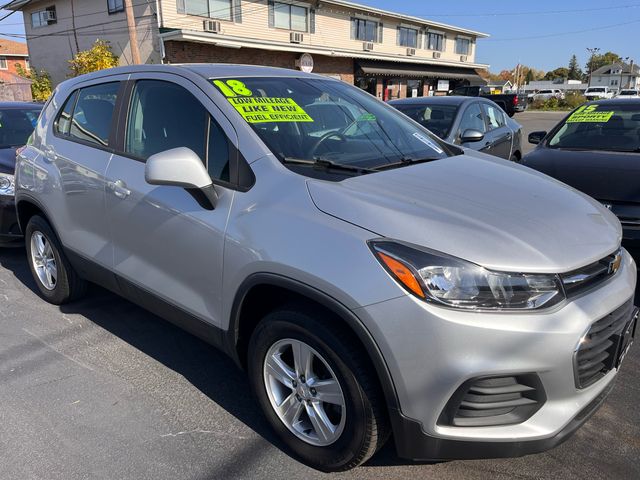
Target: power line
537	12
559	34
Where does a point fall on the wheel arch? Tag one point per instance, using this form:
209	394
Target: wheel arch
27	207
262	292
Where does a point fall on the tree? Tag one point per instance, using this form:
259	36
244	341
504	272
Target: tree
529	77
597	61
561	72
98	57
40	82
575	73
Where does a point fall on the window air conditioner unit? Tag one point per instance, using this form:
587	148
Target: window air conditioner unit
411	52
367	46
48	16
463	58
212	26
437	54
296	37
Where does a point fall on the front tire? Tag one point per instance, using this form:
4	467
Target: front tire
57	281
318	392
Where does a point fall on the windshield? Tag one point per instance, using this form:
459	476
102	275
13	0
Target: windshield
595	90
316	119
628	92
437	118
16	124
611	127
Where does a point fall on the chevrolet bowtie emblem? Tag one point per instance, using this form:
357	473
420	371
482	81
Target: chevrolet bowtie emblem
614	265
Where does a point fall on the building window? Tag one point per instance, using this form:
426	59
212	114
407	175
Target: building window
365	30
290	17
463	46
407	37
208	8
435	41
3	63
42	18
27	64
115	6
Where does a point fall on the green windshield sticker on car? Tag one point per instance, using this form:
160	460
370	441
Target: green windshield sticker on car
261	109
588	114
269	109
367	117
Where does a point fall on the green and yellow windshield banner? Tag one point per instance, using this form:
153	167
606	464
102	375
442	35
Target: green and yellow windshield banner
261	109
588	114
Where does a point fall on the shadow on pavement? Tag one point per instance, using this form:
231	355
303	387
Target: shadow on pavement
209	370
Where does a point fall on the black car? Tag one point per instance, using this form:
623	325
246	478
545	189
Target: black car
470	122
17	120
596	149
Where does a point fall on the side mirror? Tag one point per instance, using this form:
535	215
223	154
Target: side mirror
180	167
536	137
471	136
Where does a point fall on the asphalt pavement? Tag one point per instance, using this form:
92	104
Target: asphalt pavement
101	389
534	121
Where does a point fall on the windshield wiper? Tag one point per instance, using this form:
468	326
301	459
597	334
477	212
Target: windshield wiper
328	164
404	162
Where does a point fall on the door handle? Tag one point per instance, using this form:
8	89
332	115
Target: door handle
119	189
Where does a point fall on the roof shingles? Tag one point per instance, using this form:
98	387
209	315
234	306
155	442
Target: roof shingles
9	47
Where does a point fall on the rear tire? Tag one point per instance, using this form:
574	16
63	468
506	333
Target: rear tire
357	429
57	281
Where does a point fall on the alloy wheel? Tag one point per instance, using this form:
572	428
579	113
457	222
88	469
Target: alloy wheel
44	260
304	392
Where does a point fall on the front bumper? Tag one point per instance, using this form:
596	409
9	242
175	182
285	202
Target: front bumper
431	351
9	229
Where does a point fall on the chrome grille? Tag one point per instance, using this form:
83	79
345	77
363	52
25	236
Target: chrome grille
577	281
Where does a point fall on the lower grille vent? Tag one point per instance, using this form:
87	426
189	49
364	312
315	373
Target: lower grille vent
492	401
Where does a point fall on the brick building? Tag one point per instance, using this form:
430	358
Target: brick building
389	54
12	54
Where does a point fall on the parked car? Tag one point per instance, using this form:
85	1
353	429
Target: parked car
509	102
545	95
629	93
596	149
17	120
371	280
595	93
475	123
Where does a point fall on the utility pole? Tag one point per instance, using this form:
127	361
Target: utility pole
133	34
593	52
624	60
73	26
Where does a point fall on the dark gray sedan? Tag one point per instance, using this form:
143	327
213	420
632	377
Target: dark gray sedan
474	123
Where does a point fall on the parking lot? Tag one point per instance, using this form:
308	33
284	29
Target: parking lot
102	389
536	120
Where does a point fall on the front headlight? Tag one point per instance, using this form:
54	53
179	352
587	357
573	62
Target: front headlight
7	185
450	281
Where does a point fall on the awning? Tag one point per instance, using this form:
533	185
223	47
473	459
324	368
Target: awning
389	69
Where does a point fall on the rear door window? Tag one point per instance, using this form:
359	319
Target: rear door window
93	113
494	116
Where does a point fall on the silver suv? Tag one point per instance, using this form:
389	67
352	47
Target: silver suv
372	279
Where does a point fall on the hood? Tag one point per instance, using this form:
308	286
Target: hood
491	212
605	176
7	160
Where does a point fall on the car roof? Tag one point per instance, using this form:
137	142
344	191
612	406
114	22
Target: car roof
204	70
443	100
30	105
614	101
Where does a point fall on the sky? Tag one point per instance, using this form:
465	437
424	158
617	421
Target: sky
542	34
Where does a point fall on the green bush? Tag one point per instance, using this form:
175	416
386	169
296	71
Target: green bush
572	100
